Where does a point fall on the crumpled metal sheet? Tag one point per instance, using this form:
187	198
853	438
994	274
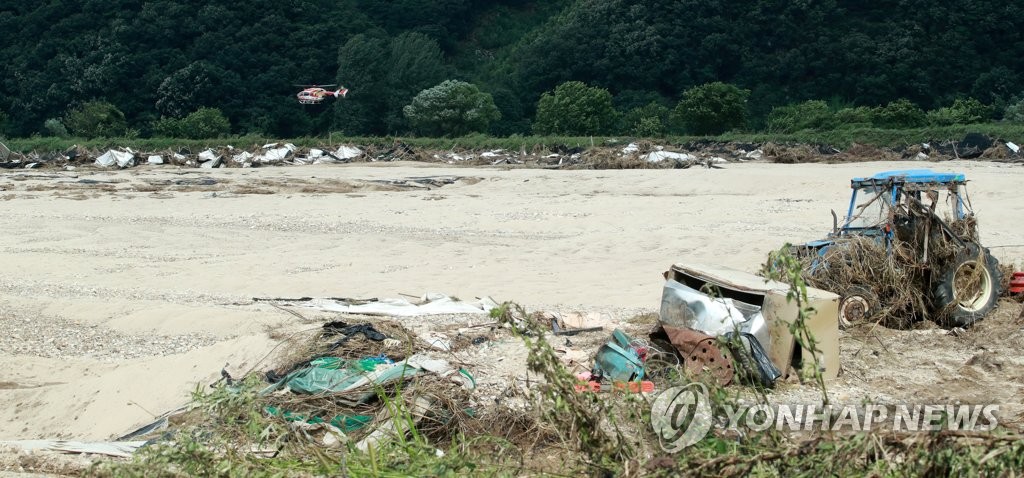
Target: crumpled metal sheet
685	307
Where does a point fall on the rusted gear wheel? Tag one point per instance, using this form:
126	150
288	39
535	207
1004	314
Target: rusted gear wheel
857	305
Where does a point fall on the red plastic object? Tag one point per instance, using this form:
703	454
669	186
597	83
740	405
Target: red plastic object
622	387
1017	283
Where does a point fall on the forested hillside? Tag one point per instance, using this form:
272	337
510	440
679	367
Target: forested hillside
169	58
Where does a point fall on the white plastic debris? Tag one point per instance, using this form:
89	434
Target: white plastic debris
659	156
155	159
717	159
275	155
178	157
348	152
122	159
315	153
1013	147
242	157
921	157
492	154
436	341
213	163
208	155
630	148
755	154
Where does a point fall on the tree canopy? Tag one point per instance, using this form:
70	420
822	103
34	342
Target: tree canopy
169	58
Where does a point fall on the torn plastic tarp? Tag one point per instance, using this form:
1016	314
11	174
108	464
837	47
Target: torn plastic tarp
659	156
318	380
432	304
275	154
122	449
208	155
122	159
345	423
338	377
348	152
242	157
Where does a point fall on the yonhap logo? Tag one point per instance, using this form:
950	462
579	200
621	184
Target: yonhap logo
681	416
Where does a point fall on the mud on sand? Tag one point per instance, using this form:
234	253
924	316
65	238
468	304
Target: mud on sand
125	298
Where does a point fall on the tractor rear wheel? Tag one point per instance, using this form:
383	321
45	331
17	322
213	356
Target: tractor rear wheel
967	288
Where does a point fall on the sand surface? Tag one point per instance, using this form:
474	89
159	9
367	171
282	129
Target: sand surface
122	291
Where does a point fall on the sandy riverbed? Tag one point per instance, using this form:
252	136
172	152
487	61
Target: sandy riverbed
120	291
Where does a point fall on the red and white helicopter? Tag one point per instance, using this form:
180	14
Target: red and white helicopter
315	94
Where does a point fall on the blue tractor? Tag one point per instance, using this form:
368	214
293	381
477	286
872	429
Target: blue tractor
923	222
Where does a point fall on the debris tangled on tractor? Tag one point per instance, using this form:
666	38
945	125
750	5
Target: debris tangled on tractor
895	261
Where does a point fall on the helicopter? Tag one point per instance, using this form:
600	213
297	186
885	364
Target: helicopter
315	94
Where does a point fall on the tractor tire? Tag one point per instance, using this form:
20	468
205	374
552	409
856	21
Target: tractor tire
856	306
967	288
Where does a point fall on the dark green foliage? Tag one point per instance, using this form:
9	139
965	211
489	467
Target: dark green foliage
853	117
962	111
54	127
452	108
414	63
96	119
899	114
197	85
809	115
575	109
361	70
171	57
204	123
1014	111
712	108
646	121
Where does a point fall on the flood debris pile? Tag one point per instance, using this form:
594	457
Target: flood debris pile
971	146
368	385
891	279
643	154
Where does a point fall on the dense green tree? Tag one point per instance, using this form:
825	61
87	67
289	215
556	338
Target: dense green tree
811	115
1015	111
54	127
901	113
96	119
712	108
204	123
646	121
361	69
859	116
574	108
962	111
452	108
414	63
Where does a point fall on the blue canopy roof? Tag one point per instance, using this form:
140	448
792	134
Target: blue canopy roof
923	176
